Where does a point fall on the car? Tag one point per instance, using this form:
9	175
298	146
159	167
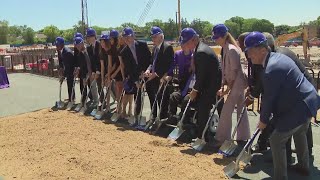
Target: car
43	65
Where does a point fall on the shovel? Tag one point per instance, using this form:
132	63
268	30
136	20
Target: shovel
99	114
154	105
133	119
200	143
84	107
71	103
116	116
60	104
79	106
232	169
95	110
177	132
229	146
158	122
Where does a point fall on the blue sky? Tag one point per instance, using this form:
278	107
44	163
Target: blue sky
110	13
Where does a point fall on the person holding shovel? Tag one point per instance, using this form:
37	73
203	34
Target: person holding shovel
234	79
67	64
290	98
207	73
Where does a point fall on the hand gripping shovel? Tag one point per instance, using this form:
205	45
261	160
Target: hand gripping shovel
158	122
232	169
84	107
95	110
154	105
229	146
200	143
115	117
79	106
177	132
71	103
100	113
60	104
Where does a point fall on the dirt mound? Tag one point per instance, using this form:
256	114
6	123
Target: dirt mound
65	145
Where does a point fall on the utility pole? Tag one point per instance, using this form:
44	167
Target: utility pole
84	19
179	17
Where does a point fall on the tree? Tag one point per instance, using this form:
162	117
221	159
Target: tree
16	30
263	25
184	23
239	21
170	29
247	24
99	29
4	29
51	32
281	29
68	34
233	28
28	36
203	28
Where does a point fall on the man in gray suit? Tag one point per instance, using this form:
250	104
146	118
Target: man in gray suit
289	97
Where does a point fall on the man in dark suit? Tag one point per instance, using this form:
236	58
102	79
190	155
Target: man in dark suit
136	59
93	51
66	64
208	76
289	97
162	58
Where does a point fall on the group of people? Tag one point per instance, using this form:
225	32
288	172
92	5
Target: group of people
197	75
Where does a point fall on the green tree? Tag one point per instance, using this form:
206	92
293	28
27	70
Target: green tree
4	30
281	29
170	29
98	29
263	25
68	34
233	28
51	32
239	21
203	28
28	36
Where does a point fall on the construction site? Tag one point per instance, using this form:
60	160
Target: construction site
39	140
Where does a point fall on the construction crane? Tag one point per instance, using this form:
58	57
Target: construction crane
84	16
281	39
145	12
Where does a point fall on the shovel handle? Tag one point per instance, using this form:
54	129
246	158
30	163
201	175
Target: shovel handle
238	122
256	132
184	114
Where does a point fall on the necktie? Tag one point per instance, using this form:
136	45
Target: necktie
133	50
155	55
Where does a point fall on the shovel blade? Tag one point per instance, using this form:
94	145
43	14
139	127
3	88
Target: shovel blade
132	120
231	169
60	104
176	133
78	108
115	117
142	121
245	158
149	124
70	105
83	110
93	112
227	148
99	115
199	144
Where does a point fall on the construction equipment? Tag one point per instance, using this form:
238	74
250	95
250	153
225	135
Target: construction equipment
71	103
229	146
281	39
99	114
200	143
60	104
178	130
232	169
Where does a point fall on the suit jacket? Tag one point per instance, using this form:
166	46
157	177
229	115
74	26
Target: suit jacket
94	57
207	70
67	61
164	59
231	67
131	68
80	58
287	94
257	70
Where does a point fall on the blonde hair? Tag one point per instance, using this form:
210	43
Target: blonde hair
230	39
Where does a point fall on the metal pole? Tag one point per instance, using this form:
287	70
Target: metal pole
179	16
